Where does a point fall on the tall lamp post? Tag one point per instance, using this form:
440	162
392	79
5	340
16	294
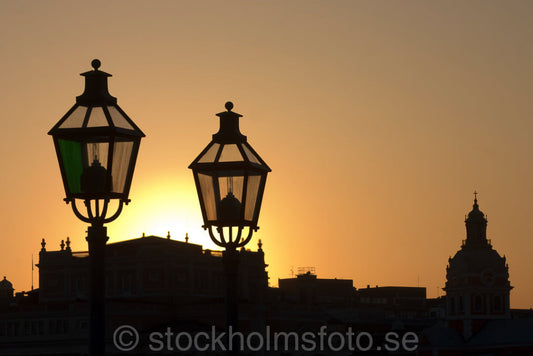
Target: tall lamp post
230	180
96	145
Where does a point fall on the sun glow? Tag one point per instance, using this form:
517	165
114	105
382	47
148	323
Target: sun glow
162	209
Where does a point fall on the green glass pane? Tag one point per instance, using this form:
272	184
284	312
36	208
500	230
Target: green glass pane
72	163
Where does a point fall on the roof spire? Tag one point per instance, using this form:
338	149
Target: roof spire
476	225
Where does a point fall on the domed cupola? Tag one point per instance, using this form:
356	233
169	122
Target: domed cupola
477	279
6	289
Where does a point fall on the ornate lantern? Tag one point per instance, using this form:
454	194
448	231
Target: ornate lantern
96	145
230	179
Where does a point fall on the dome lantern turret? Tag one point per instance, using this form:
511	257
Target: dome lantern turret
476	226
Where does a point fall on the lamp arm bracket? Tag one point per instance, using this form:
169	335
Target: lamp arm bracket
99	218
114	216
77	212
220	231
213	238
233	243
104	209
90	210
238	237
247	239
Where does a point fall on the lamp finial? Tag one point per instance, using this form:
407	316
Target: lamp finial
96	64
229	105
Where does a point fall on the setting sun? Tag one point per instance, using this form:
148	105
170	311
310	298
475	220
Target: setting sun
173	209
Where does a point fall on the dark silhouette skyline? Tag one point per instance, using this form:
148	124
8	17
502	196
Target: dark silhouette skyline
380	120
155	282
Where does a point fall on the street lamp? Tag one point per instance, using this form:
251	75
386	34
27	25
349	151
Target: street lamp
230	180
96	145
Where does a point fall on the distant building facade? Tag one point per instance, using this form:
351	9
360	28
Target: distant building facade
477	280
307	289
149	268
151	283
6	291
478	317
402	302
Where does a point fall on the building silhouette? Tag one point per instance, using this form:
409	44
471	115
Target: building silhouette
6	290
153	283
477	280
397	302
306	289
150	268
478	318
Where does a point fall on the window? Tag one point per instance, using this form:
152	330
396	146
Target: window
498	305
478	303
452	305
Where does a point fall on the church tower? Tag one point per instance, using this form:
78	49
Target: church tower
477	279
6	292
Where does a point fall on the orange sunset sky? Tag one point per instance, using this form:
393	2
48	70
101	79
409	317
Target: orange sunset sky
379	119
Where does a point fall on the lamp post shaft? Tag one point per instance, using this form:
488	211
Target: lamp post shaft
97	238
231	265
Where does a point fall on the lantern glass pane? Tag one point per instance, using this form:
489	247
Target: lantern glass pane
230	153
252	190
75	119
229	208
121	164
210	155
118	119
97	118
95	152
208	195
95	176
232	185
251	156
71	157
